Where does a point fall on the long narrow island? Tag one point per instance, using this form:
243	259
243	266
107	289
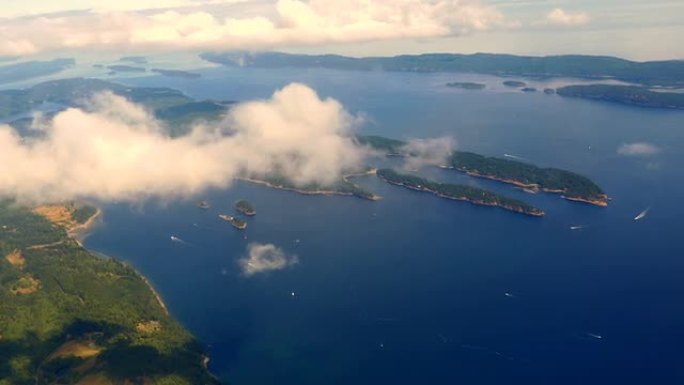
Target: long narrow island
570	185
458	192
531	178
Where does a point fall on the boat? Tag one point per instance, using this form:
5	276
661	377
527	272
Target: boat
203	205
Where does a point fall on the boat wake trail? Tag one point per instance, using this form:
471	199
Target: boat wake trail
514	157
642	214
179	241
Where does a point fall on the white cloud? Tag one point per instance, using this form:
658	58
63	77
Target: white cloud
565	18
638	149
117	150
262	258
18	8
428	152
282	23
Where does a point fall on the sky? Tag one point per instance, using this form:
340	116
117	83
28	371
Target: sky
634	29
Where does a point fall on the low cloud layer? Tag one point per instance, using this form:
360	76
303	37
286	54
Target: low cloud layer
116	150
640	149
229	25
263	258
428	152
566	18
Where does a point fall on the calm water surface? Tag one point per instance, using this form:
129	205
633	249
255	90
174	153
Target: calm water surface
412	289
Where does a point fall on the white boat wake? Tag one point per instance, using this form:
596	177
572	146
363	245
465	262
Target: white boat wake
175	239
642	215
511	156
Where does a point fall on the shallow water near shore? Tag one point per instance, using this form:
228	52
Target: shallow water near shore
417	289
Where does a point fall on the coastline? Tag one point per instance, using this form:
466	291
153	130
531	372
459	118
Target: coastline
80	232
158	297
153	290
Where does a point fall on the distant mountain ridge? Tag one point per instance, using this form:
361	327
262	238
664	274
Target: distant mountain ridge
668	73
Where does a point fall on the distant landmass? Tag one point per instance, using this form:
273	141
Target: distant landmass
176	73
67	316
467	85
32	69
125	68
669	73
134	59
175	108
514	83
630	95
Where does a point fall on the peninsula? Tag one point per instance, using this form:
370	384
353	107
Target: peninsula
68	316
458	192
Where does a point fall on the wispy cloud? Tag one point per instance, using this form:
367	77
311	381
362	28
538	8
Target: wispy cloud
428	152
114	149
567	18
642	149
263	258
282	23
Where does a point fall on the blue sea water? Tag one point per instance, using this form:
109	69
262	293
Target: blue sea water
414	289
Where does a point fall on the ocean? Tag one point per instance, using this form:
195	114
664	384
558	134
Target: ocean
414	289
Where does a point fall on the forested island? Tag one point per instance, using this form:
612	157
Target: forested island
667	73
341	187
630	95
514	83
458	192
176	73
572	186
245	207
67	316
125	68
466	85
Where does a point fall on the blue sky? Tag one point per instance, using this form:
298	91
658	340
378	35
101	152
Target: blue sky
635	29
